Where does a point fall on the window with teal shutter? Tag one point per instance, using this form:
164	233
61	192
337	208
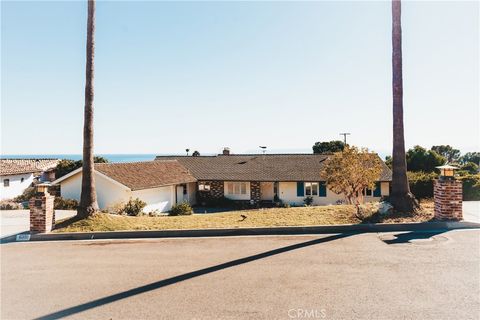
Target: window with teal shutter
300	189
322	192
378	190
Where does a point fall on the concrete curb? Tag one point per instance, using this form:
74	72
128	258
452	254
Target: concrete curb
326	229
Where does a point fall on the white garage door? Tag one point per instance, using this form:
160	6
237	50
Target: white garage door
157	198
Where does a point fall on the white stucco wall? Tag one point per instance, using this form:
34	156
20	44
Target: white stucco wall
288	194
157	198
192	192
110	193
16	186
385	188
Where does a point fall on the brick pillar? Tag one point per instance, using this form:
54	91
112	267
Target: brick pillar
448	199
255	195
42	215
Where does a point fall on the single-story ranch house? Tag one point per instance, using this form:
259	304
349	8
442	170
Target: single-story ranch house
16	175
254	179
159	183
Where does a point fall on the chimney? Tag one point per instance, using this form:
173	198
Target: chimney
226	151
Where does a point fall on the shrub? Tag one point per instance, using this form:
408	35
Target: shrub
155	213
181	209
308	200
26	195
116	208
65	204
134	207
222	202
10	205
421	183
286	205
471	187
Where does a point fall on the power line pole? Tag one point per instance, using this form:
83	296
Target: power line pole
345	134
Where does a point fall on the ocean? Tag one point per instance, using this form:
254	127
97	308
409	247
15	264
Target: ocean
109	157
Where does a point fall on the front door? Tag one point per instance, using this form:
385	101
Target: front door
266	191
182	195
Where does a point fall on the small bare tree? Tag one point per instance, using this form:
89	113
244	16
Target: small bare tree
351	172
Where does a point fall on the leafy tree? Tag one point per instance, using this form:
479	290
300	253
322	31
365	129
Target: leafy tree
421	159
328	147
388	161
471	157
88	197
196	153
66	166
351	171
470	168
446	151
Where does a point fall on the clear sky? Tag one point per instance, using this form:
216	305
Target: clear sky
204	75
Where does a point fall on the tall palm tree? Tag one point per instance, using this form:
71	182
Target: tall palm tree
88	199
401	197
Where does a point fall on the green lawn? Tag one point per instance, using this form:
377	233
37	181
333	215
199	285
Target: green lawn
274	217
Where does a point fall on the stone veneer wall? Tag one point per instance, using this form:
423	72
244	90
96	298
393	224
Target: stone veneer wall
42	214
216	191
255	194
448	199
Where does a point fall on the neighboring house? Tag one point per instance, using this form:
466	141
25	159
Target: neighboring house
159	183
18	174
264	178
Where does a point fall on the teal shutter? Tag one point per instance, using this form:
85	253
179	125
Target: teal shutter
300	189
378	190
322	192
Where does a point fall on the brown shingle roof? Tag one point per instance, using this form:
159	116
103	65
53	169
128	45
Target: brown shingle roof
146	175
19	166
255	167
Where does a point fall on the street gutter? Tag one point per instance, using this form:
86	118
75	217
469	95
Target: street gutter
324	229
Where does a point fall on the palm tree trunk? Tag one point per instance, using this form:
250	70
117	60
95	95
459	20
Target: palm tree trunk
401	198
88	199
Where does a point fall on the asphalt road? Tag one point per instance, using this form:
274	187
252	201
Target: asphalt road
365	276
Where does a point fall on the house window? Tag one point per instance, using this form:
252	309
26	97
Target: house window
236	188
202	186
311	188
6	182
368	192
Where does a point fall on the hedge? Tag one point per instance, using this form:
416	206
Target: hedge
471	187
421	185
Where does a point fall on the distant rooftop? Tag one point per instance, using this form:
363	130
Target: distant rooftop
19	166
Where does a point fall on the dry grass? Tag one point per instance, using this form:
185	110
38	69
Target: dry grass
424	214
275	217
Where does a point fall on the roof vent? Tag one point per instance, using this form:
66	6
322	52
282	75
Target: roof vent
226	151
